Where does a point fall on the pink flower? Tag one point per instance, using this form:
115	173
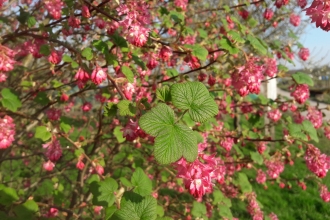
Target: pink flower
130	130
280	3
55	57
54	7
138	35
82	75
275	167
53	212
53	150
227	143
324	193
48	166
274	115
268	14
253	207
80	165
261	177
165	53
97	210
85	11
301	94
327	132
64	97
6	61
270	67
181	4
261	147
295	19
98	75
53	114
74	21
7	131
315	116
244	14
319	11
192	61
304	54
86	107
247	79
100	23
302	3
316	162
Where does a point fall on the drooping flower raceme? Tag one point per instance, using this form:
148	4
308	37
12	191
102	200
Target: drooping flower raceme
54	7
301	94
295	20
6	61
304	54
315	116
7	131
319	12
53	149
98	75
316	162
247	79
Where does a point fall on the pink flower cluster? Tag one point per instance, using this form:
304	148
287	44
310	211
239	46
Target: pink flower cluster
6	61
132	131
319	12
316	162
270	67
54	7
54	150
261	177
301	94
268	14
302	3
324	193
99	75
181	4
253	207
248	77
274	115
53	114
136	18
198	176
275	168
315	116
295	20
82	77
303	54
7	131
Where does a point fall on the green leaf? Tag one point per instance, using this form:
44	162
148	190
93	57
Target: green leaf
27	210
135	207
224	211
177	16
172	140
7	195
252	22
126	108
125	182
78	152
120	42
194	97
109	212
198	209
236	36
42	133
225	43
139	62
101	46
256	44
257	158
303	78
119	134
142	183
42	98
163	94
295	130
160	211
10	100
202	33
44	50
128	73
308	127
172	72
103	192
198	51
66	58
244	183
65	127
31	21
87	53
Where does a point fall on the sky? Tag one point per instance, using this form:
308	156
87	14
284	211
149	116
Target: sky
318	43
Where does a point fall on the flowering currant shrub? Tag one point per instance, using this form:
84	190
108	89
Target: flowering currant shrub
155	109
